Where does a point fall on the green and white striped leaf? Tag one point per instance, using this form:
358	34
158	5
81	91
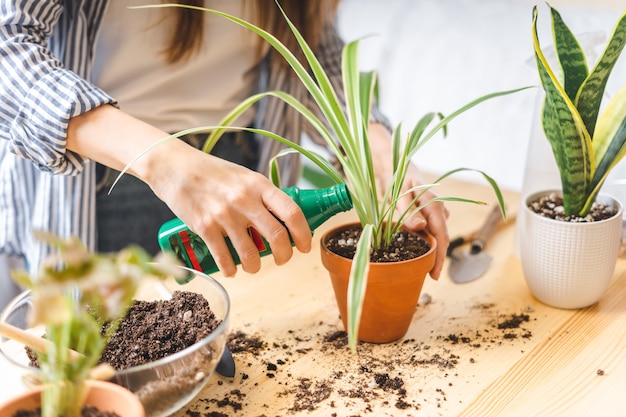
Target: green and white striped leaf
570	55
566	132
591	92
358	283
609	140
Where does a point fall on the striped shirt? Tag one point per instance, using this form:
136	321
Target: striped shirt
46	52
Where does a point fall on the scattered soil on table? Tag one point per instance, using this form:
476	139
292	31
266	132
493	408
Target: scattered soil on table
403	247
241	342
365	383
551	206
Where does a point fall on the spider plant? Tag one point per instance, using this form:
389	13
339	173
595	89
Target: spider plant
73	295
586	144
345	131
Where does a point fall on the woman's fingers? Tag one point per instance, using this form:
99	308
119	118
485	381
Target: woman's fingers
280	222
216	244
436	215
433	219
291	217
238	203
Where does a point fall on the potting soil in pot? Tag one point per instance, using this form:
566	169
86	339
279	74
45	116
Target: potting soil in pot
551	206
403	247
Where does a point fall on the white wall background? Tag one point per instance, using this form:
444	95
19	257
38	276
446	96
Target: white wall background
436	55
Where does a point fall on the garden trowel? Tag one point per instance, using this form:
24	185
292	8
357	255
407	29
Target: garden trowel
469	262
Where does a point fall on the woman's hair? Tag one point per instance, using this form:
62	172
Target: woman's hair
309	16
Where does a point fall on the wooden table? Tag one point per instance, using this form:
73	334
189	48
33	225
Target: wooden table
455	360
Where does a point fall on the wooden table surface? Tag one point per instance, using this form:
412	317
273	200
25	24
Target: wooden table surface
455	360
484	348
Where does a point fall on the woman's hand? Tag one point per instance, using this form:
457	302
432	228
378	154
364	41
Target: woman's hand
215	198
432	217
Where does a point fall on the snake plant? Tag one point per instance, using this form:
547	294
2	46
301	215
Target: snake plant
587	144
345	131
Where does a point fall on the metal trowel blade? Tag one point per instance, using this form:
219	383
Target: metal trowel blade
466	266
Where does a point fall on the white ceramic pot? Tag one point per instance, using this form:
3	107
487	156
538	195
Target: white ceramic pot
569	265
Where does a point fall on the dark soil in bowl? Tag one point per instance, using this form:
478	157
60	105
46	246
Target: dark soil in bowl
403	247
152	330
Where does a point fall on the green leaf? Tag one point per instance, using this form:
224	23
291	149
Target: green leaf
316	158
566	132
324	95
613	155
609	132
419	129
327	174
352	89
317	124
357	284
609	141
396	144
591	92
230	118
444	121
489	179
570	56
367	86
358	89
609	123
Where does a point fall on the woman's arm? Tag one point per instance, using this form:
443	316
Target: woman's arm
57	119
212	196
39	94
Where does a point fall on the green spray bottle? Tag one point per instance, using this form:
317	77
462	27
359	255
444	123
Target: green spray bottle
317	206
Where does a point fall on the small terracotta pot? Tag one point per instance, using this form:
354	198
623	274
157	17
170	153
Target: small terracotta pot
106	396
393	289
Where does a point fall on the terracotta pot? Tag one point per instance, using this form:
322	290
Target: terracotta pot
393	289
569	265
105	396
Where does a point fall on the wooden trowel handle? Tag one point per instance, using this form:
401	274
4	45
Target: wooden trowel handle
478	242
38	344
